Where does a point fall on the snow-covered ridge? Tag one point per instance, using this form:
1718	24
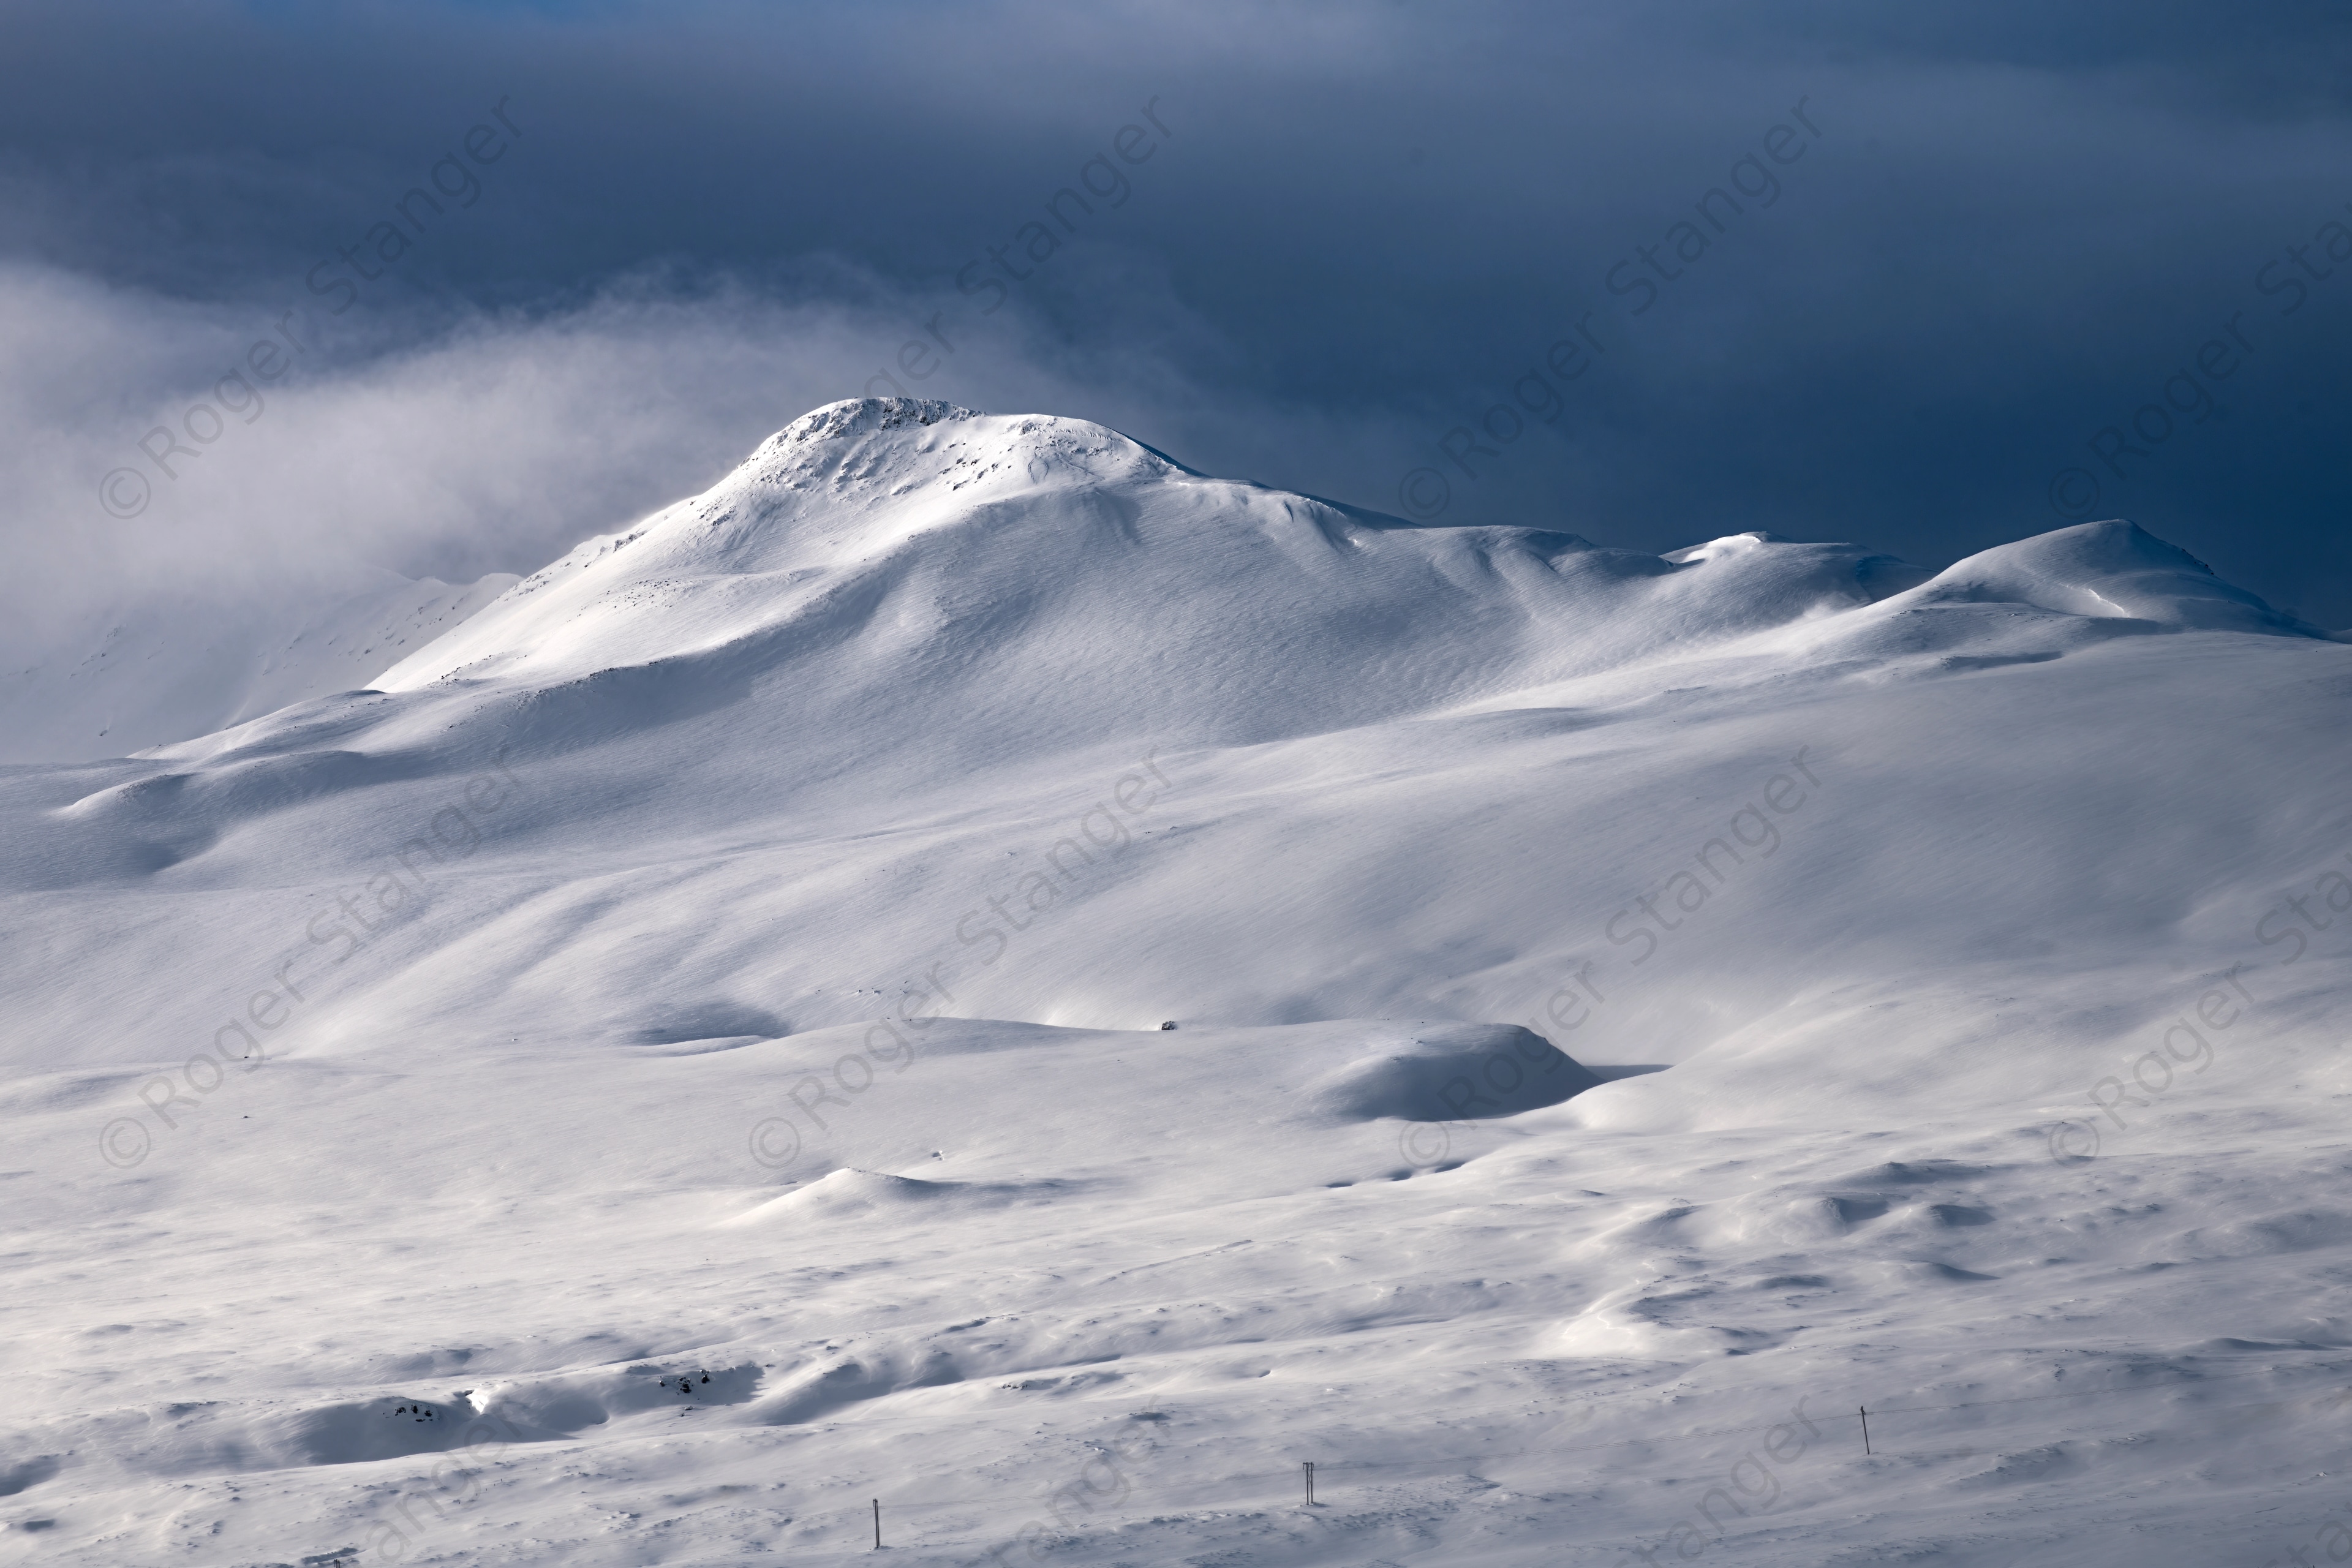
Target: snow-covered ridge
948	565
899	549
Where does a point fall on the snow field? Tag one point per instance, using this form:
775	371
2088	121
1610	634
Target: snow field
742	950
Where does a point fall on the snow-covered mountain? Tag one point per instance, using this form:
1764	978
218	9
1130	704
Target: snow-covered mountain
743	950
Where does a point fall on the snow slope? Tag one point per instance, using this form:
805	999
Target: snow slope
740	951
163	666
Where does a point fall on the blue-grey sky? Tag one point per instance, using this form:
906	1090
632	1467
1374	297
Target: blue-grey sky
1968	271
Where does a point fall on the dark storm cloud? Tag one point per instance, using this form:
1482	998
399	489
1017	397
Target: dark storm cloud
1357	231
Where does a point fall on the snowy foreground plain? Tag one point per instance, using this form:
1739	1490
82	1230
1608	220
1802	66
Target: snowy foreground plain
739	953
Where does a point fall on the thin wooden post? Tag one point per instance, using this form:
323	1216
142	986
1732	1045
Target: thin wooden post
878	1524
1309	1466
1865	1427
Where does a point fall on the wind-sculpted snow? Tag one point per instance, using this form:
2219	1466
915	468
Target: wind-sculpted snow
1002	953
1451	1074
2101	570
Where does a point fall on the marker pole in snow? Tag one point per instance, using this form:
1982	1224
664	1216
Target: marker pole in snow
1865	1427
1309	1466
878	1524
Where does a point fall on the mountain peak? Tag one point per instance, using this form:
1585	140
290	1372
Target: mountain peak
862	416
887	448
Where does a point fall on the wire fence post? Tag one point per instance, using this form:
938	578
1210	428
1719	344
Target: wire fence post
878	1524
1865	1427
